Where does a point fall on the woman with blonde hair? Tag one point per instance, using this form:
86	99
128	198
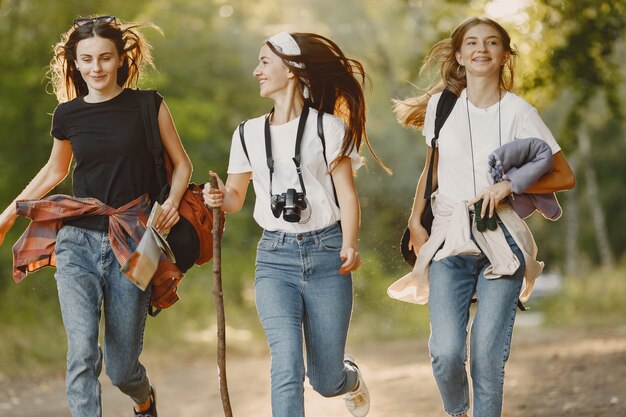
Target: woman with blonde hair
459	258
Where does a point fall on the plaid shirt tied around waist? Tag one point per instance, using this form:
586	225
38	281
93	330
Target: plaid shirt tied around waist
35	248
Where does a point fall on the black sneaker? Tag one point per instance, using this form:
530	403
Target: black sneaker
152	411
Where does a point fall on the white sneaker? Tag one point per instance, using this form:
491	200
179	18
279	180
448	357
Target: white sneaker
358	400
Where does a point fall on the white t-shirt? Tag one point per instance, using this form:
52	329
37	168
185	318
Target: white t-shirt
518	119
317	180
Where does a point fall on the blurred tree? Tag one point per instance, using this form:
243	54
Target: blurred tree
587	41
571	52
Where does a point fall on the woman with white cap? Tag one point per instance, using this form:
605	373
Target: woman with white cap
301	157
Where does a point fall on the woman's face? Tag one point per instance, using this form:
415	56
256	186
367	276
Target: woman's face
272	73
97	60
482	51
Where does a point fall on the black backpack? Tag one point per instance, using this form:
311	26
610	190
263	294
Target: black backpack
444	108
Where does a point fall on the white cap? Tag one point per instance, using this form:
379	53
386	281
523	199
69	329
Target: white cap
284	43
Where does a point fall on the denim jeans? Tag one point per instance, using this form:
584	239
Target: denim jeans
298	287
453	282
88	279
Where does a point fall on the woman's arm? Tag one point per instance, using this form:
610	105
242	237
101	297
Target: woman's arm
560	178
48	177
419	235
229	197
181	172
350	214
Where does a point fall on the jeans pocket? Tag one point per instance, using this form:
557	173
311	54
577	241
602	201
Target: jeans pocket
332	242
63	235
267	244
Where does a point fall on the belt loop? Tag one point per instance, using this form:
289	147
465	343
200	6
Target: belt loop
316	237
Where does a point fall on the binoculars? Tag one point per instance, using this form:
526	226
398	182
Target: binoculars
484	223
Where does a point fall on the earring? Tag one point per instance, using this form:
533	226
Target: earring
306	93
459	71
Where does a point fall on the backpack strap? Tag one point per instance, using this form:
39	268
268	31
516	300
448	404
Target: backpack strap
444	108
243	142
147	100
320	134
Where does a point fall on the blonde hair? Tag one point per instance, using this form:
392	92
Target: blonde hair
412	111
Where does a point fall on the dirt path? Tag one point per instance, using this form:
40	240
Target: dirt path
562	373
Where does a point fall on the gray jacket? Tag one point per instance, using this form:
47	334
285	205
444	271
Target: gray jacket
523	162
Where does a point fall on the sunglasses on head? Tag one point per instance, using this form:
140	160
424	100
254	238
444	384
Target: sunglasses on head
93	20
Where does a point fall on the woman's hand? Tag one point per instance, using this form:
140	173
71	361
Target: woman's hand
168	218
418	236
6	222
214	197
492	196
351	260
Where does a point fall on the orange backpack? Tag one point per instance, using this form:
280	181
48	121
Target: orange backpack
191	238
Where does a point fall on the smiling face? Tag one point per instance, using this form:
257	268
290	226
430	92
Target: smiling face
273	75
98	61
482	51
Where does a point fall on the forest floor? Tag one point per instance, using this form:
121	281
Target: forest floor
551	373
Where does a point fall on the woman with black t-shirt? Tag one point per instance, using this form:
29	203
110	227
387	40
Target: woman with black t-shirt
99	123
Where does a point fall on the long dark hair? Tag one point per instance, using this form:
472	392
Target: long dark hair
411	111
66	80
335	84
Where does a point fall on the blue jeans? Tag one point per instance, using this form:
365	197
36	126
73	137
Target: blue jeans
453	282
298	286
88	278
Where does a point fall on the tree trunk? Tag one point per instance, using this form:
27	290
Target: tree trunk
571	224
595	204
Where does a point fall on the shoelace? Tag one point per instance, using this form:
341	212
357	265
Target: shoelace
353	403
355	398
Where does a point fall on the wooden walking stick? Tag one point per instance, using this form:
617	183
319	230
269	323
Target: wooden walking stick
219	305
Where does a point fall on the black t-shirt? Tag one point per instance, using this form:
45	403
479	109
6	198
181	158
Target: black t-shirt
108	140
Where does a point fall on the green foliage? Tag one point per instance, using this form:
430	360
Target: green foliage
188	328
585	57
571	58
610	171
590	300
375	315
32	338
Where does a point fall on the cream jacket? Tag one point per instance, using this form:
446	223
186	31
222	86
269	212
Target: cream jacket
451	227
